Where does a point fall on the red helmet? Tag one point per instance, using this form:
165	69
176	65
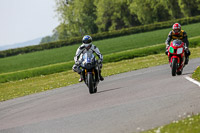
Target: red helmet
176	28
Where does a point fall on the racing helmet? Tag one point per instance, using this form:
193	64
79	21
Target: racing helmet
87	39
176	28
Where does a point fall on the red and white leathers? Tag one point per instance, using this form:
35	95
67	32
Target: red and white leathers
179	34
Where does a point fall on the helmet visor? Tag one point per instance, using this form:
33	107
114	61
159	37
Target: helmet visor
87	41
177	30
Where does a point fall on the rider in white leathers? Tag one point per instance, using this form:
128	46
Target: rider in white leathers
87	45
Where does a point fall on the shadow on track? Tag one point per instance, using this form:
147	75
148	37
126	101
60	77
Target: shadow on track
109	90
187	73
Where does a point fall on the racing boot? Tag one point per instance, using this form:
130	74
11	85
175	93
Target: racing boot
166	52
100	76
186	60
187	54
81	78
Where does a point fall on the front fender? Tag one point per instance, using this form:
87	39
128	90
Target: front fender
178	59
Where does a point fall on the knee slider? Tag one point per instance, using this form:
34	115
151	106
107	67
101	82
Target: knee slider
74	68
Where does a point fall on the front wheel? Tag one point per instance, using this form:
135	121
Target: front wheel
174	66
91	83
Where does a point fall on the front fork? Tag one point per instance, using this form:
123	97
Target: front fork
180	62
181	59
85	72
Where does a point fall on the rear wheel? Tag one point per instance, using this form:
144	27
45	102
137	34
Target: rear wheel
174	66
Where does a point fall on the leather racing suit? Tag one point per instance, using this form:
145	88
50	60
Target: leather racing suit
81	50
181	36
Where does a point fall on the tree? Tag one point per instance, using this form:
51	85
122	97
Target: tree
113	14
149	11
198	4
173	8
78	16
189	7
45	39
61	31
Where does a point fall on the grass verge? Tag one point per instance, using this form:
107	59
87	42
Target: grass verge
191	124
196	74
28	86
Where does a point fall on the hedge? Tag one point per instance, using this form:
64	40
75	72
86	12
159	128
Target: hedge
33	72
99	36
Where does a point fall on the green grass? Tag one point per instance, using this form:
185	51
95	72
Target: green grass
107	46
113	57
59	67
37	71
191	124
28	86
196	74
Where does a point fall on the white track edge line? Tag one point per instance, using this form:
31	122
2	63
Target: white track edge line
192	80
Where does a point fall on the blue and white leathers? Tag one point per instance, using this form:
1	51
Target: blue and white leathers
81	50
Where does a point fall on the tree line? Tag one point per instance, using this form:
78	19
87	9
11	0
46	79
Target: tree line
80	17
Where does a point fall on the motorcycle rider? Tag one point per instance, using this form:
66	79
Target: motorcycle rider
177	33
87	45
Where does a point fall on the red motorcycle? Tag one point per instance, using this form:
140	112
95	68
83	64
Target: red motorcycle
176	54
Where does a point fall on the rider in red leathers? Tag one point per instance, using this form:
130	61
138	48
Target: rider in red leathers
177	33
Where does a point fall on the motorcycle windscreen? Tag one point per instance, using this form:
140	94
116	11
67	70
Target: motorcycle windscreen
88	57
177	43
88	60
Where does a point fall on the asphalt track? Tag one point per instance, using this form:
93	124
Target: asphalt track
125	103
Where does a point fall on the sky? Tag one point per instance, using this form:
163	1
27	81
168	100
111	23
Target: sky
24	20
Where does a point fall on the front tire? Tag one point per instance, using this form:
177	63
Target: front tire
174	66
91	83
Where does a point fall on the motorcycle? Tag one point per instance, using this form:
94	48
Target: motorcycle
90	71
176	56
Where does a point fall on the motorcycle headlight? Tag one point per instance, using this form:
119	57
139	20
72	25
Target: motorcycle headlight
179	50
89	65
